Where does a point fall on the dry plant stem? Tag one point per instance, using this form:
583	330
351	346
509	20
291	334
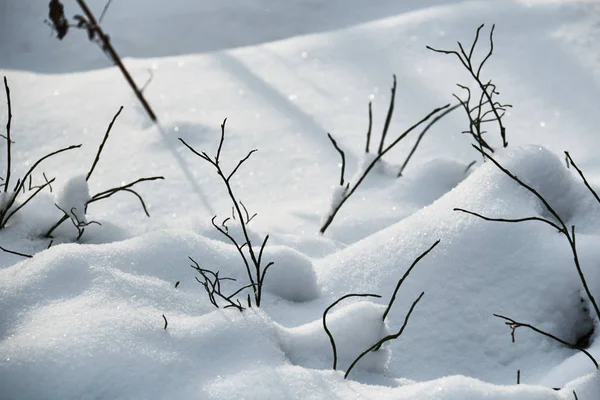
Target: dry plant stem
518	377
422	134
401	281
213	287
387	338
328	332
166	322
552	224
16	252
388	118
575	395
370	126
580	172
342	155
87	178
496	108
8	140
514	325
561	226
257	276
351	190
116	59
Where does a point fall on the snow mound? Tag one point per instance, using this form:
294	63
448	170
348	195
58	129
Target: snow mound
354	327
292	276
524	271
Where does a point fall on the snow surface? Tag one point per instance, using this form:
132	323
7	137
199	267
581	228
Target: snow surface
85	319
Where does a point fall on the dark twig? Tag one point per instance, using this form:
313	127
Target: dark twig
387	338
518	377
328	332
388	118
401	281
552	224
96	33
422	134
166	322
514	325
342	155
8	140
580	172
477	116
87	178
16	253
370	126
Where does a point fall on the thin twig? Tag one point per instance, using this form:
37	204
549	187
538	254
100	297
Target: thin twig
370	126
388	118
401	281
342	155
328	332
16	253
116	59
8	140
422	134
580	172
166	322
552	224
514	325
87	178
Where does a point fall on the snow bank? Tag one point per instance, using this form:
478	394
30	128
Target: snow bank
523	271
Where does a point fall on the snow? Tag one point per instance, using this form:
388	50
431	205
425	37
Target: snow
72	198
84	318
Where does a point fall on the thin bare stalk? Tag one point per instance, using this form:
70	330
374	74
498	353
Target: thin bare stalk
514	325
401	281
87	178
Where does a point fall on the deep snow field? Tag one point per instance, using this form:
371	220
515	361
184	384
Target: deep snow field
83	319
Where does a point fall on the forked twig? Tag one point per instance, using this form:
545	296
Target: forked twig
514	325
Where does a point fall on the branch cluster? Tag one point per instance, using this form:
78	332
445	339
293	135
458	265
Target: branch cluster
253	262
383	149
9	205
485	108
128	188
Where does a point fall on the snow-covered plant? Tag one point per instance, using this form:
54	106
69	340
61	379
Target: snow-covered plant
486	109
74	197
255	269
376	346
10	202
343	193
557	222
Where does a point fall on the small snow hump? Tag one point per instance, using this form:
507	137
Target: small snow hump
292	276
72	197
